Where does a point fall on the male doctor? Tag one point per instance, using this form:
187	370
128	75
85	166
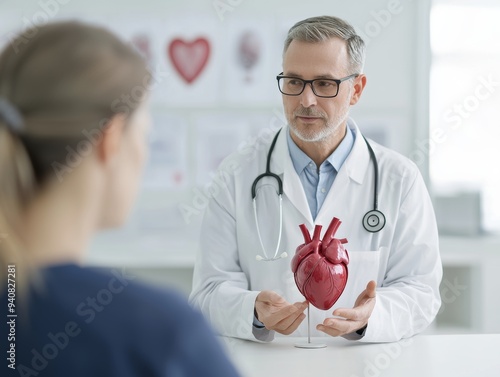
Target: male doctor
327	171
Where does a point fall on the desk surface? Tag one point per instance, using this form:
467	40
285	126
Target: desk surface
424	355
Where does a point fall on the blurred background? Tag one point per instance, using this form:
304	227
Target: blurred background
433	94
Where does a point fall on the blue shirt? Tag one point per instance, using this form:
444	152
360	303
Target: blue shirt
317	182
88	322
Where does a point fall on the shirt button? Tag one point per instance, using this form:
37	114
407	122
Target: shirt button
323	190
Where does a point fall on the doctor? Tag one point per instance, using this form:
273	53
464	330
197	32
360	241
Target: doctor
327	170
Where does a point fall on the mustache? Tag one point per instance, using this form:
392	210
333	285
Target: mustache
308	112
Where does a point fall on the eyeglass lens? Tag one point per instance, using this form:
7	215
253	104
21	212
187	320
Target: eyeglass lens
294	86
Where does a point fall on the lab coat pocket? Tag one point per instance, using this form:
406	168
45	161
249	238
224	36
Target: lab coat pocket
363	267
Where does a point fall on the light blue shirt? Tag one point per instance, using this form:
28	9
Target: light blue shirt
317	182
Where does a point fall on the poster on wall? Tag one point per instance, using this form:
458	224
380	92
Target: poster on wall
141	33
190	60
167	164
252	61
217	136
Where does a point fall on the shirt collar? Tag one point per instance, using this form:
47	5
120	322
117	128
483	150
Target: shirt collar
340	154
300	160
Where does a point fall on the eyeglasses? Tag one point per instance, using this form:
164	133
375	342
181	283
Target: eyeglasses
325	88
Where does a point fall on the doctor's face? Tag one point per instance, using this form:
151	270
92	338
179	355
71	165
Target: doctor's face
313	118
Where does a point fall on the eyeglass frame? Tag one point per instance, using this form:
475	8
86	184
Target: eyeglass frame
337	81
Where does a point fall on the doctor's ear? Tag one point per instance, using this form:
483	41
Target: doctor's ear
359	86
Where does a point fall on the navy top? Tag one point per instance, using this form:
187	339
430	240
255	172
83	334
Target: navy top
100	322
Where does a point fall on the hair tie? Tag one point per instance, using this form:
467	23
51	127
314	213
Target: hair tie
10	115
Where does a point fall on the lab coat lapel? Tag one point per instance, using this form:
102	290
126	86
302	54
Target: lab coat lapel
353	171
281	163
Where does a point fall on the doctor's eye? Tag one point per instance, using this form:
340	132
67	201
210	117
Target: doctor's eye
324	83
294	82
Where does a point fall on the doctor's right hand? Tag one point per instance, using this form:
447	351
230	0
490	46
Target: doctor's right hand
277	314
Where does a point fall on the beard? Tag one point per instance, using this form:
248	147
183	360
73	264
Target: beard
330	125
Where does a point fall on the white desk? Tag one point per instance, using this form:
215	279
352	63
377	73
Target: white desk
422	356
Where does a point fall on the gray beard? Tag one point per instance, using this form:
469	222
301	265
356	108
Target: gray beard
327	131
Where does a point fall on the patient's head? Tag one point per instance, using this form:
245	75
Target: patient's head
73	123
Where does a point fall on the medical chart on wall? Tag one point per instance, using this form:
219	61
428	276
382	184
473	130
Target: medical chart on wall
142	33
217	136
252	62
192	59
168	147
220	134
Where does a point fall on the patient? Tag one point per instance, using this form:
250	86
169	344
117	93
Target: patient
73	128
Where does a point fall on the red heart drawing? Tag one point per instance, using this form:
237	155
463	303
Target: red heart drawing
320	266
189	58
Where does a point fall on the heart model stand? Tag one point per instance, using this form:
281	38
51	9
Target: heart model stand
322	261
309	344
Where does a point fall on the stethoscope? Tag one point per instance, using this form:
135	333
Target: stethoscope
373	220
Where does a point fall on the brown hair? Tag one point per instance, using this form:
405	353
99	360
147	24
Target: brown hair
63	83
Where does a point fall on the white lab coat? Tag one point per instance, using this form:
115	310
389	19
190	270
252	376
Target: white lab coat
403	258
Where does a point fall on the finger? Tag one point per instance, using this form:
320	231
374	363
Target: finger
296	323
328	330
286	322
289	325
290	329
371	289
301	305
350	314
273	298
272	319
340	326
359	313
367	294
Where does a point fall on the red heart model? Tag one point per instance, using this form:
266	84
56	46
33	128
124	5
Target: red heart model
189	58
320	266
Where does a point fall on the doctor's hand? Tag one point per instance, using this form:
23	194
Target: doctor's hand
355	318
277	314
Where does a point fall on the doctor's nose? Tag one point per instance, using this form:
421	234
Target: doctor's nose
307	97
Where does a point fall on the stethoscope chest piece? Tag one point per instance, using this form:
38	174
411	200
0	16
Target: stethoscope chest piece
374	221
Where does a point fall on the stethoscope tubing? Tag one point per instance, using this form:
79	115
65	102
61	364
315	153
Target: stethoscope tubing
254	203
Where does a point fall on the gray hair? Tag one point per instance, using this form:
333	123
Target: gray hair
319	29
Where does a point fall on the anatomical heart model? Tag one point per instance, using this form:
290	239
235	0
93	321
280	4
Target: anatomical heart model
320	266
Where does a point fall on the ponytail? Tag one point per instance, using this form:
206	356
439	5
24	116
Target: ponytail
16	191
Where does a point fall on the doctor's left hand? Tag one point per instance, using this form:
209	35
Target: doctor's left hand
355	318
